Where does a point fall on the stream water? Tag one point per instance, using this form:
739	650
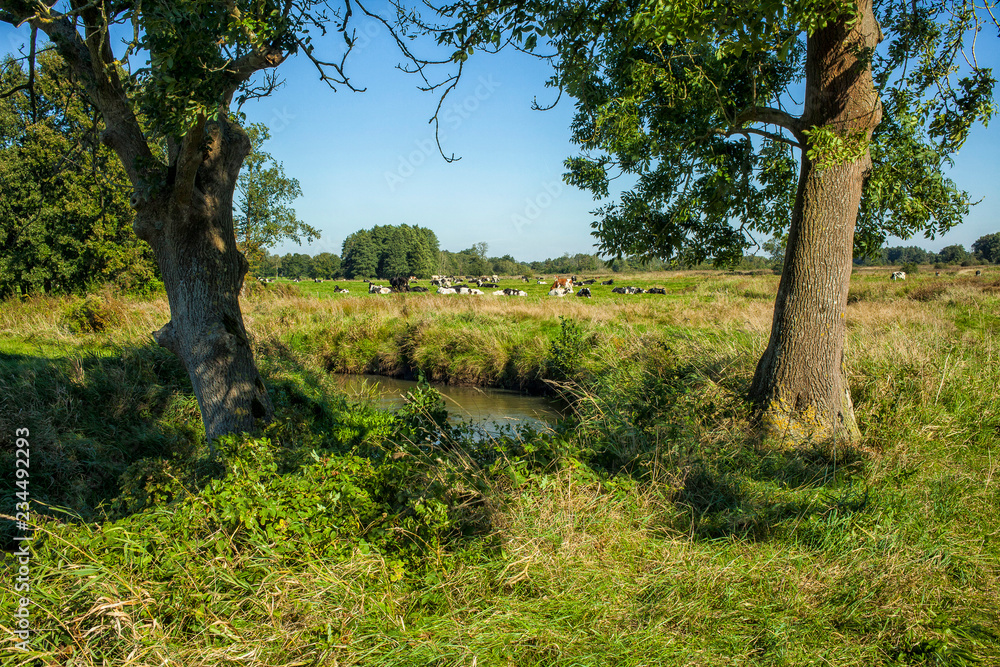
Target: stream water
484	406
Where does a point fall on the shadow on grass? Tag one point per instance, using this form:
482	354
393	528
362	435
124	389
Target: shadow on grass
669	423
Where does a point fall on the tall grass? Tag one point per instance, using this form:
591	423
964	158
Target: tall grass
648	529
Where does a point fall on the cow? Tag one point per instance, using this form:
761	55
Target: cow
559	291
446	290
609	282
585	292
656	290
978	272
898	275
418	288
563	283
399	284
589	282
338	288
378	289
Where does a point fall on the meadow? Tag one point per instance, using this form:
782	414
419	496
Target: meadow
650	527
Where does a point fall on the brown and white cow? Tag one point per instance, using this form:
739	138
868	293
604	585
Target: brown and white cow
562	283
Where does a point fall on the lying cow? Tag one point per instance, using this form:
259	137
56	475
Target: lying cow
559	291
656	290
509	291
378	289
585	292
609	282
338	288
418	288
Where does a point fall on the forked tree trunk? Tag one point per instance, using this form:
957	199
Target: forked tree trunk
799	387
193	239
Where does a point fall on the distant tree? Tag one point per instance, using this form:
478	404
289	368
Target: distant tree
953	254
393	256
325	265
906	255
296	265
65	219
987	248
359	256
262	213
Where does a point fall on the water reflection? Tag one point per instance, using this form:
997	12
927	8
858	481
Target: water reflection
482	405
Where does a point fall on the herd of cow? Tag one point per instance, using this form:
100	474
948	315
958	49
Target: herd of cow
472	285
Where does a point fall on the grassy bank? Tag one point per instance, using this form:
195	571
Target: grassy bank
649	529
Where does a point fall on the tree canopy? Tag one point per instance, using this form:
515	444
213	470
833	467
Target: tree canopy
386	251
65	221
263	215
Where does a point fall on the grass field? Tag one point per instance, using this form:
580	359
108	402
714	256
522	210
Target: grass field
650	529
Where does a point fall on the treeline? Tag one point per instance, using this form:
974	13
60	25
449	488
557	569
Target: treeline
986	250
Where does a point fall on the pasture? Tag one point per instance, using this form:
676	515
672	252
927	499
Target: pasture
651	528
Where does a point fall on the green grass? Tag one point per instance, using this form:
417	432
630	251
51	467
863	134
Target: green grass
650	529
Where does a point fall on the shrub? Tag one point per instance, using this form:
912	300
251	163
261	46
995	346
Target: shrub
93	315
910	267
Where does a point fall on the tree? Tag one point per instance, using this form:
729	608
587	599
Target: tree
64	213
263	217
696	99
988	248
953	254
325	265
197	58
360	256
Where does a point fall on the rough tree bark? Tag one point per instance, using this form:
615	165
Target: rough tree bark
799	387
192	237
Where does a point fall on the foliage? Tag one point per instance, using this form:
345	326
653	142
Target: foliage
386	251
263	216
65	219
91	315
566	352
988	248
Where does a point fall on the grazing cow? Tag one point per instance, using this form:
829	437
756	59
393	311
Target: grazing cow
418	288
584	292
338	288
378	289
937	274
525	279
399	284
563	283
978	272
898	275
609	282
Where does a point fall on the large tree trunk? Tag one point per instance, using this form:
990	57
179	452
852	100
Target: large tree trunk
799	387
192	237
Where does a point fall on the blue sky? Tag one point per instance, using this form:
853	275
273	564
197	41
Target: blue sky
366	159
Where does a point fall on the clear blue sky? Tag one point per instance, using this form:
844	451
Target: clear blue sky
369	158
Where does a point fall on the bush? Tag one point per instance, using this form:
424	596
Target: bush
910	267
93	315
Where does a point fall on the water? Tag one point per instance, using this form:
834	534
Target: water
482	405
